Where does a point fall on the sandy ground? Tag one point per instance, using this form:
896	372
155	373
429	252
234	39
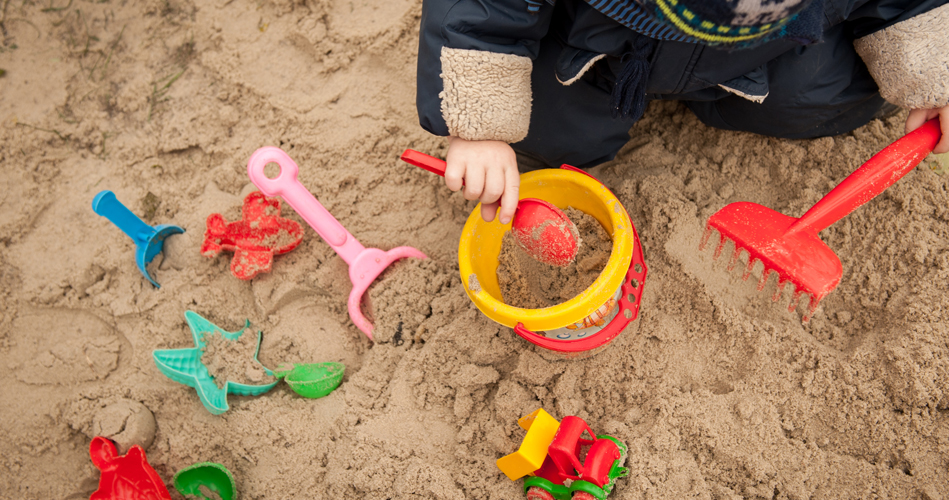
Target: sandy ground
718	392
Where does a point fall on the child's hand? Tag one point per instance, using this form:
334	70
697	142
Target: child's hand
917	117
489	171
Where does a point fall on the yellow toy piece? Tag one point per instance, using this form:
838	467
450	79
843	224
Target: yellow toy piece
541	429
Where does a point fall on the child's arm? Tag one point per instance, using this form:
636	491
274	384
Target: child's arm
908	61
474	86
489	170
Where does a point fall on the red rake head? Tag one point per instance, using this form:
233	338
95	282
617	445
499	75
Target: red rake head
796	254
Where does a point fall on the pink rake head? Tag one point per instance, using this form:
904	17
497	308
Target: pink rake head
791	247
365	264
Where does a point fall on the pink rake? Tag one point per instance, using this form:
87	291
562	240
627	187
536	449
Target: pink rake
791	247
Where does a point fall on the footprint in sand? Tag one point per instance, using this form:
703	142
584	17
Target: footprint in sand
62	347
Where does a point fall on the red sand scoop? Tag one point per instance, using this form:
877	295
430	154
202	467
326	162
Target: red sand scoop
790	246
539	227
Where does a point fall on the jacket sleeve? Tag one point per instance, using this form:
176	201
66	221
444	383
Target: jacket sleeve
474	67
909	59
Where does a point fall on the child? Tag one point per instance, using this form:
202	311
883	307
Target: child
562	81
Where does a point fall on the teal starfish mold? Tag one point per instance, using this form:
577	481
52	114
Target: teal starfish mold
184	366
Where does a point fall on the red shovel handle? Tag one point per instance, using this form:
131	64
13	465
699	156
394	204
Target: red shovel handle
422	160
872	178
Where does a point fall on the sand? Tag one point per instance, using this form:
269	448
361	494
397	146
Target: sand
528	283
719	393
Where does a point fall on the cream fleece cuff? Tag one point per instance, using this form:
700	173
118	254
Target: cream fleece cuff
486	96
910	60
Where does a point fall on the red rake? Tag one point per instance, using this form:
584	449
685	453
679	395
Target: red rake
791	247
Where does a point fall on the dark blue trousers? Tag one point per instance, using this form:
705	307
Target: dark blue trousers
814	91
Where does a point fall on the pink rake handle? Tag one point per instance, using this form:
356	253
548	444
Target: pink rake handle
297	196
365	264
871	179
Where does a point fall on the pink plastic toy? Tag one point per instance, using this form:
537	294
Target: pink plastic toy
125	477
365	264
255	239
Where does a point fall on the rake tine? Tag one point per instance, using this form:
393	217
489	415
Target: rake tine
705	236
778	291
749	268
721	246
794	301
764	279
812	306
734	260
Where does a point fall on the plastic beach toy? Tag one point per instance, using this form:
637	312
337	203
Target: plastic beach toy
791	247
125	477
313	380
148	240
565	460
184	366
255	239
365	264
539	227
541	429
212	476
592	319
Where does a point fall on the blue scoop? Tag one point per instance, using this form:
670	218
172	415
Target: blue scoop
148	240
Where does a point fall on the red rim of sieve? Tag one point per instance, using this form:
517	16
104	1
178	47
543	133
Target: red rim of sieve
628	304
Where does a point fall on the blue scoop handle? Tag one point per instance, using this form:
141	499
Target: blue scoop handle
107	205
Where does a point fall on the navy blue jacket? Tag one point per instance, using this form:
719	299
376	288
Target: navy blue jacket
678	70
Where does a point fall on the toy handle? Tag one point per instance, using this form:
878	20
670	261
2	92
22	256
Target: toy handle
872	178
424	161
296	195
107	205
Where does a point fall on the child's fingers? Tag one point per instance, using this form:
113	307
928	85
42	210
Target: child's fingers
493	185
488	210
943	145
512	184
916	118
474	181
454	175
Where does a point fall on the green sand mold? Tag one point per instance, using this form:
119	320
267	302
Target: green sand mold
312	380
184	366
215	478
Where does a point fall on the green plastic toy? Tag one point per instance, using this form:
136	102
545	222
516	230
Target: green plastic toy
184	366
312	380
215	479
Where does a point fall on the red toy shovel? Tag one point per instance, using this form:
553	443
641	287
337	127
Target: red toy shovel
791	246
539	227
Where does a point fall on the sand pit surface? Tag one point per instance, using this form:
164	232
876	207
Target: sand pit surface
719	393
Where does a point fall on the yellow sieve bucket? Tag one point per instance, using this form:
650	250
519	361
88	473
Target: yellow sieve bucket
598	314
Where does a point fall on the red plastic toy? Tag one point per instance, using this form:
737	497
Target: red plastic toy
578	465
126	477
791	247
255	239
